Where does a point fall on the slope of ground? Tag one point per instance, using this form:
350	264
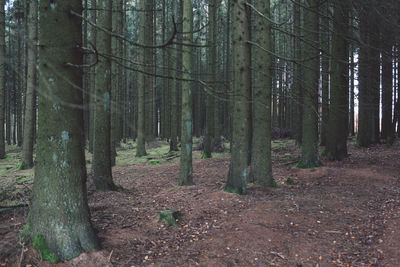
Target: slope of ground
342	214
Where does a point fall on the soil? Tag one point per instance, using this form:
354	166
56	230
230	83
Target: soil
342	214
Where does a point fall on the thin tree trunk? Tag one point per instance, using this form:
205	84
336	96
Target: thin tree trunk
31	86
186	172
2	79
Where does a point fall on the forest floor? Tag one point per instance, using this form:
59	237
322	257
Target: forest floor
342	214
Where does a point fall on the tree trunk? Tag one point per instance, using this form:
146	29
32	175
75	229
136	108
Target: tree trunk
310	155
325	45
102	174
2	79
142	87
31	86
237	177
369	65
261	165
211	70
339	102
186	172
387	87
59	210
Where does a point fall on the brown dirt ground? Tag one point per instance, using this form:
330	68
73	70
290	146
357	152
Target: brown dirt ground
342	214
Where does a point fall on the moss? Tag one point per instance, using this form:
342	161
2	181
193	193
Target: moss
232	190
170	217
289	181
154	162
301	165
25	234
274	184
205	156
39	243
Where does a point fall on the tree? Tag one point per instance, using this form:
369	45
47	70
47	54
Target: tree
261	165
237	177
174	58
187	122
212	68
387	86
310	155
30	112
369	65
59	211
143	84
339	102
102	174
2	79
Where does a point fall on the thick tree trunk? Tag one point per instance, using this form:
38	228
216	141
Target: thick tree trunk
102	174
369	65
261	165
237	177
185	172
339	102
59	210
310	155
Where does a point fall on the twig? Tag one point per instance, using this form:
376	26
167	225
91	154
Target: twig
109	257
21	257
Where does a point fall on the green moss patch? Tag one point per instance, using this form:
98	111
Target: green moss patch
39	243
170	217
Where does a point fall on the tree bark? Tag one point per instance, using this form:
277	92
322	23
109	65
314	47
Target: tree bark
59	210
261	165
237	177
2	79
310	155
30	113
186	172
339	102
102	174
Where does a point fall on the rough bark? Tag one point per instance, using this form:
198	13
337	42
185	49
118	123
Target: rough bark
185	172
387	87
369	65
2	79
27	149
261	165
336	148
102	174
310	155
237	177
59	210
142	86
211	70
